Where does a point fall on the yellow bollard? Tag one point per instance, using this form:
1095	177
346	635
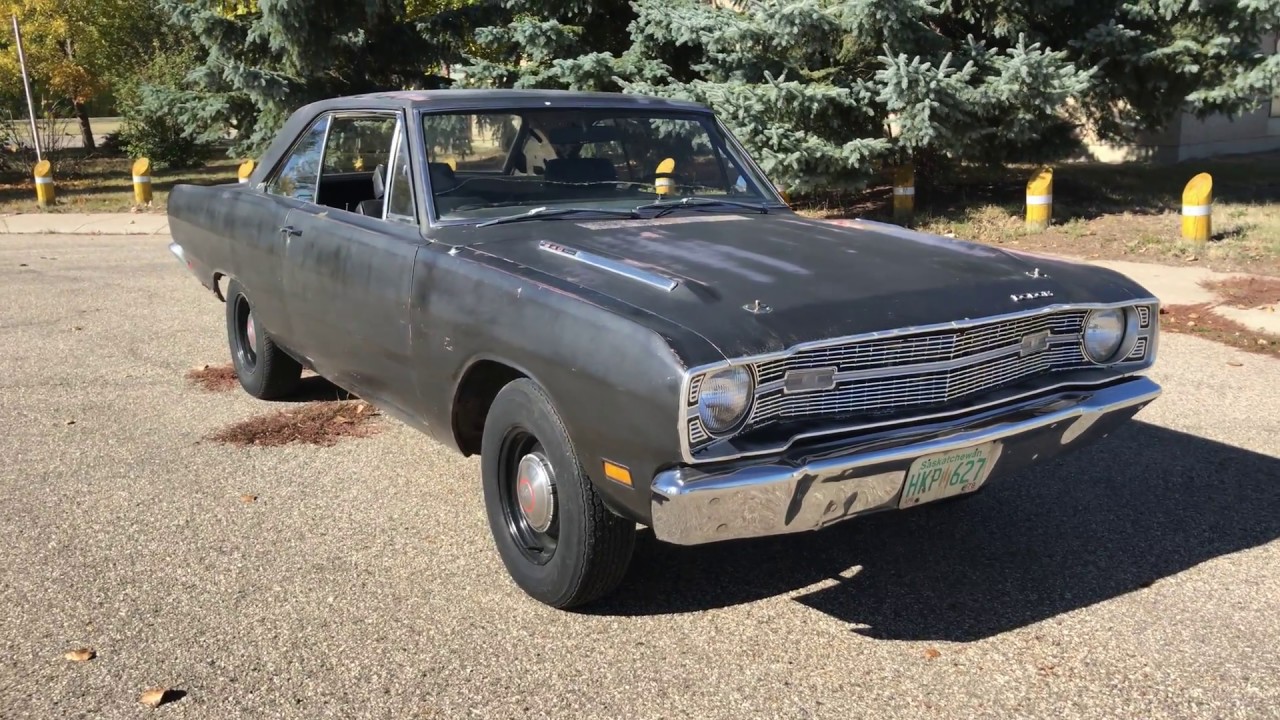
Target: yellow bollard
45	191
1197	209
1040	199
246	169
786	195
663	183
904	192
142	181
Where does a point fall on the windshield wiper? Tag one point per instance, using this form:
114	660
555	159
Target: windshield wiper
543	213
694	202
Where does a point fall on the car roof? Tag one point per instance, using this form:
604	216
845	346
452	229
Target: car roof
502	98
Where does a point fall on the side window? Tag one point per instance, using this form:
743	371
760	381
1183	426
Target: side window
298	176
400	190
358	144
357	158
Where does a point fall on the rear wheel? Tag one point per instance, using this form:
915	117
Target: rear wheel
265	371
555	536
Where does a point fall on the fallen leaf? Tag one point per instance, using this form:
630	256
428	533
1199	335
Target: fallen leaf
1233	363
1191	323
1193	258
76	328
932	653
81	655
339	420
248	498
153	697
22	265
71	422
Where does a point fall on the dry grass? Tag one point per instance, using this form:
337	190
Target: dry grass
100	183
1246	291
1126	212
1201	321
214	378
321	423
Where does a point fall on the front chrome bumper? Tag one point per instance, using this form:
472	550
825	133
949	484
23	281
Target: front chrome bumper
814	487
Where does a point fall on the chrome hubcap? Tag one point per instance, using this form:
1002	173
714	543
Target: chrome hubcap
251	333
536	491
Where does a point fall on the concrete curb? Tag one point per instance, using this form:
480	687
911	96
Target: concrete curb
1182	286
85	224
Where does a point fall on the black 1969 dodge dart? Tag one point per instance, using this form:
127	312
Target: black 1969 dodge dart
605	298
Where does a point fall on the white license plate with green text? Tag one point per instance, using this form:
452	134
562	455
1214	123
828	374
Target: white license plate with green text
942	475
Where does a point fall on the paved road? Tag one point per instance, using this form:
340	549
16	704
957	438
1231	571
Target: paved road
1138	579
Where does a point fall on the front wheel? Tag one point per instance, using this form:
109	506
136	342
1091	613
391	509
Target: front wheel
559	542
265	371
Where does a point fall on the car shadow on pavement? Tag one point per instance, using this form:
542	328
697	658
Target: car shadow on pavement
1110	519
314	388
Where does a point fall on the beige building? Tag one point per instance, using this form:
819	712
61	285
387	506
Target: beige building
1187	138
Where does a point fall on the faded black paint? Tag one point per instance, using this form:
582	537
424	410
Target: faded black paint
398	315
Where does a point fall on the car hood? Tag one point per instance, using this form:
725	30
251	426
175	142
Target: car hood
806	279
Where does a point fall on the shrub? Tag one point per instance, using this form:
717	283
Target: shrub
150	128
157	136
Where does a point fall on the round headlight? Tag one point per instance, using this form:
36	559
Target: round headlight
1104	334
724	399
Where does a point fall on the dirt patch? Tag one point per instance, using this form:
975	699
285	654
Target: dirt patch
214	378
1201	321
1246	292
322	423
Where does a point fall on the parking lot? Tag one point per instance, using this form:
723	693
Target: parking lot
1139	578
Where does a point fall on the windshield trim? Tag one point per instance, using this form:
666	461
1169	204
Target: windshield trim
721	138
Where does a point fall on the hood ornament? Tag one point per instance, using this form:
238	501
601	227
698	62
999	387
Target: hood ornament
755	307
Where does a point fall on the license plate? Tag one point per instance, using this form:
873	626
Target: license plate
942	475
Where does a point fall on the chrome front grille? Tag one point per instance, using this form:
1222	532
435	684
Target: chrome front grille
866	379
906	390
920	349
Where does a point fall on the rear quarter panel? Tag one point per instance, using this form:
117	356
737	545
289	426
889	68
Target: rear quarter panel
233	231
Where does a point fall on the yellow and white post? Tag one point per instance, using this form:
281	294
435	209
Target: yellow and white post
142	181
45	192
1197	209
246	170
1040	199
904	192
663	183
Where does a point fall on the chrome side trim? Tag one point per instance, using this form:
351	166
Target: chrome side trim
613	266
686	452
773	498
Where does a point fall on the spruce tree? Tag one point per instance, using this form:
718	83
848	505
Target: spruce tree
263	60
822	90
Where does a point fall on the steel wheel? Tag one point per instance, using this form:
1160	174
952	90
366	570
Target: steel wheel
246	335
528	496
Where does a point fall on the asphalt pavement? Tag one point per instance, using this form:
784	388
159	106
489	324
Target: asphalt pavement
1137	579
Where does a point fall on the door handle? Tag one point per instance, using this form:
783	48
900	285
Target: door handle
290	231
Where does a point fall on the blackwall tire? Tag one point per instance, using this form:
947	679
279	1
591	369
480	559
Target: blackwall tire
567	553
264	370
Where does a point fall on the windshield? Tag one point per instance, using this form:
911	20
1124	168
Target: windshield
491	164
